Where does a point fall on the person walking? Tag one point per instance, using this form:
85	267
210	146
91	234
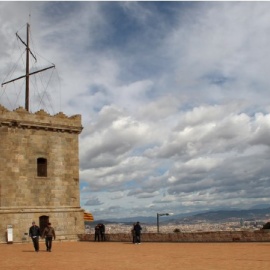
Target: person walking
34	233
133	234
97	233
137	230
102	232
49	235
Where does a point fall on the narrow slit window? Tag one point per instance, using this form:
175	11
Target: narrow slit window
42	167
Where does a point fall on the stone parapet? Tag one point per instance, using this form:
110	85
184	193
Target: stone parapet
219	236
32	209
21	118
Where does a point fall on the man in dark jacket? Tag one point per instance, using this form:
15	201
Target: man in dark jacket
97	233
49	234
137	230
34	233
102	231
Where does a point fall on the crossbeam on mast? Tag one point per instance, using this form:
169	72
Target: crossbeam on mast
32	73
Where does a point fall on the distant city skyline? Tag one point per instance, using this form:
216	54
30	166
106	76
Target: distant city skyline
174	98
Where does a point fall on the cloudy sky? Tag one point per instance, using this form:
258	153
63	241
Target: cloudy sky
174	98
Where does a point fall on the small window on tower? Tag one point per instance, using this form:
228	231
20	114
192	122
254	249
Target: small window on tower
42	167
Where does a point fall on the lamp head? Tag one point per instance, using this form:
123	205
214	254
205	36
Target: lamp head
164	214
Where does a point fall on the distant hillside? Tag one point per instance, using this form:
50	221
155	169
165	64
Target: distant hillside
228	215
195	217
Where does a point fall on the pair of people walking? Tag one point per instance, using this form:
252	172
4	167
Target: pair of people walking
48	233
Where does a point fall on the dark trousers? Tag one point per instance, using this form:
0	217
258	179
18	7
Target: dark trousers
36	243
102	236
97	237
138	238
48	242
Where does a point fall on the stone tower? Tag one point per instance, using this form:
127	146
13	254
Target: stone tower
39	173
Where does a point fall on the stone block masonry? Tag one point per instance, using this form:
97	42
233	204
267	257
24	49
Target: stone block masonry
25	194
218	236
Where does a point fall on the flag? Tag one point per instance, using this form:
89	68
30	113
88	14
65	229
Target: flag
88	217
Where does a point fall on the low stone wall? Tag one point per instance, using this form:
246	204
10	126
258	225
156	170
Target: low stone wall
222	236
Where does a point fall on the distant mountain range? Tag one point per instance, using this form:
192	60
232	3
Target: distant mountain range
228	215
262	212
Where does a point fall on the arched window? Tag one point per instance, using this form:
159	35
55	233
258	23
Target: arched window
42	167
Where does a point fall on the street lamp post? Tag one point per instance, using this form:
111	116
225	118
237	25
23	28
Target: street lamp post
159	215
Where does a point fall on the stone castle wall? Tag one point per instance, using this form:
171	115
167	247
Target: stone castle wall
218	236
25	196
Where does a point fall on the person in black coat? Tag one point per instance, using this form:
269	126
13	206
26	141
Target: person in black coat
102	231
34	233
137	230
97	233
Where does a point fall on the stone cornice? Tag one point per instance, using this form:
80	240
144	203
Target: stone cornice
41	120
39	209
29	125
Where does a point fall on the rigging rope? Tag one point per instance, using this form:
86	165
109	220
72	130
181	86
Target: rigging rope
13	68
40	93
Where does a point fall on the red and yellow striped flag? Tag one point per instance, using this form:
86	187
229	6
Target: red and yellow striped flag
88	217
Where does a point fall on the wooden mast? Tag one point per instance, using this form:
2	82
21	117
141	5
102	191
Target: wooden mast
27	69
27	73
